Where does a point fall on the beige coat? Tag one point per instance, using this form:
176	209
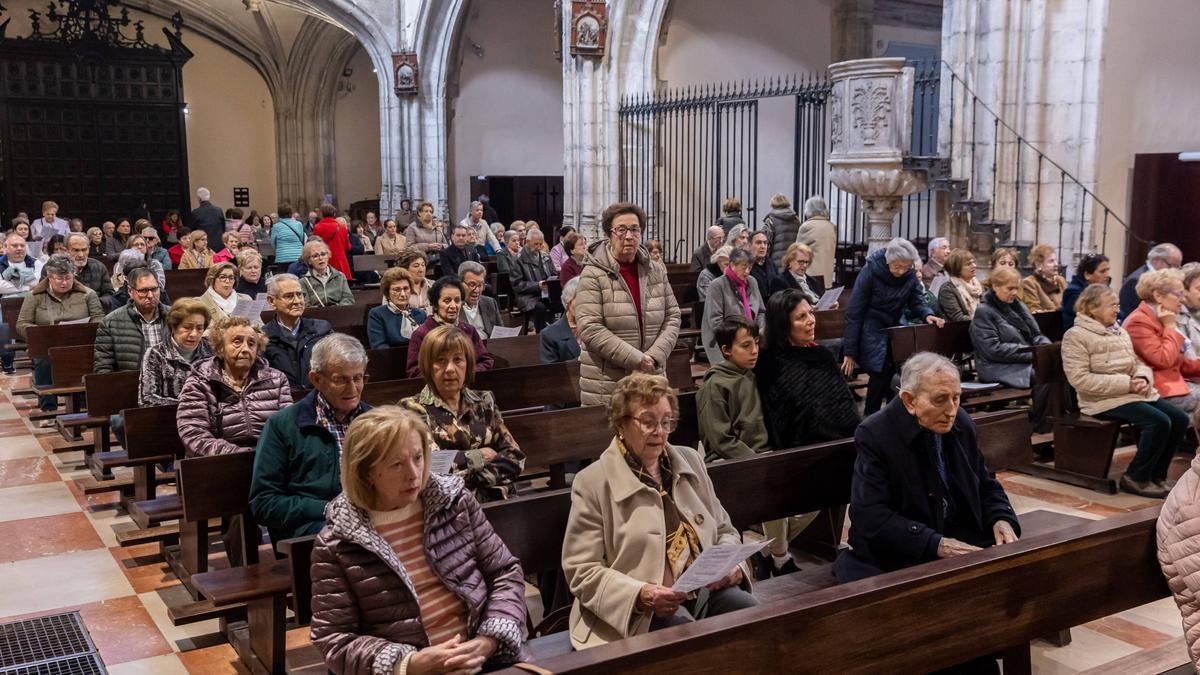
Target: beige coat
1036	297
1179	552
611	340
615	542
1100	365
821	235
420	238
385	245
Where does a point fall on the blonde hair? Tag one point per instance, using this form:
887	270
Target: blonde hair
393	275
215	271
246	255
1003	275
1157	280
371	436
1039	253
218	328
794	251
195	236
182	309
445	338
999	254
640	388
1091	298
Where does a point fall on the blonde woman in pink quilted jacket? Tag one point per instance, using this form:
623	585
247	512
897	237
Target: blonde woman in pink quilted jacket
1179	552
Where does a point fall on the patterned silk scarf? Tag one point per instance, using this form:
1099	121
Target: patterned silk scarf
683	544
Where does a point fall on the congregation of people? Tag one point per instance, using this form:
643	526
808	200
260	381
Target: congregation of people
408	574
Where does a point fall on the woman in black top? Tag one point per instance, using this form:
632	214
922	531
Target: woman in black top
804	396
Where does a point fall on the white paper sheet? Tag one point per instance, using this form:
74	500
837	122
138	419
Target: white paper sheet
250	309
83	320
830	298
979	386
499	331
441	461
714	564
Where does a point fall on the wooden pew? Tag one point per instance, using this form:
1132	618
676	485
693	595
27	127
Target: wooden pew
830	324
1051	325
954	342
151	437
340	317
39	340
201	501
68	365
185	283
1083	445
108	394
516	388
10	308
967	607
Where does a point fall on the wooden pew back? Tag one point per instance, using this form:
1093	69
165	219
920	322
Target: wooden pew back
151	433
515	388
185	283
215	487
110	393
830	323
69	365
968	607
41	338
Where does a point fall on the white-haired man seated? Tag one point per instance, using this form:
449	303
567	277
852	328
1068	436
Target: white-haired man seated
921	488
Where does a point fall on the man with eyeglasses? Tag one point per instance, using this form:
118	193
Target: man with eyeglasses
18	275
291	336
703	256
479	310
627	315
297	464
128	332
89	271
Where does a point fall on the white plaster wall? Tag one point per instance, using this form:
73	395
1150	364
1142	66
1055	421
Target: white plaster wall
1150	92
708	41
356	134
508	115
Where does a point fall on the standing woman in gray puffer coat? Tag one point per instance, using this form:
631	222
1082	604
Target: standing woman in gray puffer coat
781	225
407	574
227	399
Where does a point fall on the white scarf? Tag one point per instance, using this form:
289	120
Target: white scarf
226	305
969	293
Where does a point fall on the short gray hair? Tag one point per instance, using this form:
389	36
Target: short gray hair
471	267
60	263
735	232
901	249
532	234
475	205
273	282
129	259
569	290
1163	252
509	235
337	347
203	194
815	206
739	255
718	228
922	365
72	235
935	242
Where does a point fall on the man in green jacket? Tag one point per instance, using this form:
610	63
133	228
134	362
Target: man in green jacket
128	332
297	464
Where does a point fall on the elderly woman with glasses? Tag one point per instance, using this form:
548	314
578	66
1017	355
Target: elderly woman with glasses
226	400
797	260
1160	343
464	420
196	254
408	576
323	285
640	516
626	312
219	296
57	298
167	365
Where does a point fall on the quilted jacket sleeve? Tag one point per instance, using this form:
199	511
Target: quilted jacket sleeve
668	330
197	404
1077	365
104	349
594	333
336	621
504	615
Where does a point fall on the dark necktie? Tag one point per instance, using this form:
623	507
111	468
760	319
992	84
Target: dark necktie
939	461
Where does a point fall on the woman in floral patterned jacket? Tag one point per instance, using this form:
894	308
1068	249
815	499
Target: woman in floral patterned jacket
462	419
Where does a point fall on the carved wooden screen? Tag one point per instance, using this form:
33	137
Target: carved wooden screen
97	136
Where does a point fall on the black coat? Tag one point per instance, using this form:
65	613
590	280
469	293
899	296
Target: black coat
785	280
210	219
290	354
557	343
805	398
896	516
452	257
764	273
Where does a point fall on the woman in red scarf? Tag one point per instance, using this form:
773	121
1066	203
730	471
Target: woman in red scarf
735	293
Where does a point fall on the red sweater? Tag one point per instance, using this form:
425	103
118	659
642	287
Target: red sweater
338	240
629	272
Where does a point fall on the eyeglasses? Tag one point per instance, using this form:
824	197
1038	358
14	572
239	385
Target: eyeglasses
145	291
627	231
802	261
341	380
474	285
225	277
649	426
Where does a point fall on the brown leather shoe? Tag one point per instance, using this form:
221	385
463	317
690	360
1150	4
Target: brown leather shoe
1147	489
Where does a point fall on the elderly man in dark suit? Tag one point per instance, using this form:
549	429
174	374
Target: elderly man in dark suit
479	310
558	342
921	488
1159	257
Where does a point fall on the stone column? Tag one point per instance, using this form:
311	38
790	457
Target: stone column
870	131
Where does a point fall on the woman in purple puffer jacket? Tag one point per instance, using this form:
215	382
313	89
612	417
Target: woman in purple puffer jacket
407	574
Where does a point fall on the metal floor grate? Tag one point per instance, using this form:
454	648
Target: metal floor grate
48	644
81	664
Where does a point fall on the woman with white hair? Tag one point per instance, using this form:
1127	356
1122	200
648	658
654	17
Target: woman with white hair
821	235
323	285
886	287
739	237
720	260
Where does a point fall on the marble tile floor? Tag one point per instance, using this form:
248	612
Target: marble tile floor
59	553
